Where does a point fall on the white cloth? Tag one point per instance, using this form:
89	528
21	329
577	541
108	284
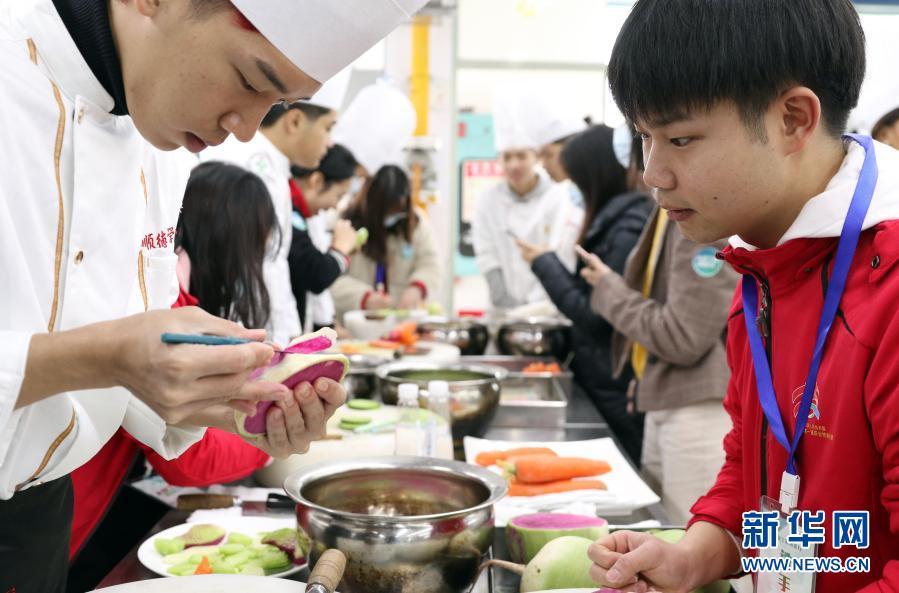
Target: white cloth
683	451
376	126
336	33
82	188
823	215
261	157
333	92
321	309
539	217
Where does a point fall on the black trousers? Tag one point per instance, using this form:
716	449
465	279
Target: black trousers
35	527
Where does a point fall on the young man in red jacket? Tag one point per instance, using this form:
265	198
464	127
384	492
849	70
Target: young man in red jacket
741	106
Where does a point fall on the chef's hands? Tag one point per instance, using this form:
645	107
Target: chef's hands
639	562
178	381
594	268
530	251
290	425
293	424
343	237
411	299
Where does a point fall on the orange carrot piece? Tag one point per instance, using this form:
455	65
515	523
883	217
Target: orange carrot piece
538	469
516	488
385	344
488	458
204	567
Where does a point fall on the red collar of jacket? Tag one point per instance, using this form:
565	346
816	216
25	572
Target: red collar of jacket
298	199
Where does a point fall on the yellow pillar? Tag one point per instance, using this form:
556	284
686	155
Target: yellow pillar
421	75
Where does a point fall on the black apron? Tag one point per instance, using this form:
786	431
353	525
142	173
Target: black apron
35	527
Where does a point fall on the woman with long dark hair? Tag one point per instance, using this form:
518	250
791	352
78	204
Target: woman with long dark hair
613	222
227	226
398	266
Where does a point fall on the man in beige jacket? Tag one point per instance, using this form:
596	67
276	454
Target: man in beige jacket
669	310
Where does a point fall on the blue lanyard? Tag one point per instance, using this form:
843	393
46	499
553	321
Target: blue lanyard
852	228
380	277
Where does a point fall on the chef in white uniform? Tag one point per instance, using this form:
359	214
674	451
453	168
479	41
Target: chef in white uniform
88	205
527	205
299	134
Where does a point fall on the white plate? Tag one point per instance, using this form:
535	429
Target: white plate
626	491
211	583
251	526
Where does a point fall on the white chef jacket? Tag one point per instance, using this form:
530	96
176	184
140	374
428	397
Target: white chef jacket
320	307
88	211
544	216
261	157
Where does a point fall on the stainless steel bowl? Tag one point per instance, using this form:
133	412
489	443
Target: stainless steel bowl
474	391
360	381
468	335
405	524
535	336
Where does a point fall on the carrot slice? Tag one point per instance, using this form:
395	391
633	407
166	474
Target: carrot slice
488	458
385	344
204	567
538	469
516	488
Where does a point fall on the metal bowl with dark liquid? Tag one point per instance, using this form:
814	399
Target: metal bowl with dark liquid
405	524
471	337
535	336
474	391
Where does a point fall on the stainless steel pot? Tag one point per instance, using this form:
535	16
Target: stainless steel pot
474	391
468	335
405	524
535	336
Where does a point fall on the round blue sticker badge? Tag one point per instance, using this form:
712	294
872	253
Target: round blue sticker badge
705	264
407	251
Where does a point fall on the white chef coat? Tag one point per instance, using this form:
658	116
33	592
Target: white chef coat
261	157
320	307
88	211
544	216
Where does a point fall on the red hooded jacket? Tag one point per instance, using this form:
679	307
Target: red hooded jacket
848	458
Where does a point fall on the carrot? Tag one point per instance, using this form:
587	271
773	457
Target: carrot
204	567
538	469
516	488
385	344
488	458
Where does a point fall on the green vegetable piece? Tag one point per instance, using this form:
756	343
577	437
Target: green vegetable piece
239	538
184	569
274	560
229	549
361	237
253	570
363	404
195	558
355	420
168	546
222	567
239	559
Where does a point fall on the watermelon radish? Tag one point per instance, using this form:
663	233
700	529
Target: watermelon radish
526	535
302	365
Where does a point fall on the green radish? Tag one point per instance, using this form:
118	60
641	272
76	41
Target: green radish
253	570
230	549
239	559
223	567
363	404
561	564
184	569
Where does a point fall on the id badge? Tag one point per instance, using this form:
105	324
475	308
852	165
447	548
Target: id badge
784	582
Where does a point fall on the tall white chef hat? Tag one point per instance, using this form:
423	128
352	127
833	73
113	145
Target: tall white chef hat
321	37
508	130
549	117
377	126
332	93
